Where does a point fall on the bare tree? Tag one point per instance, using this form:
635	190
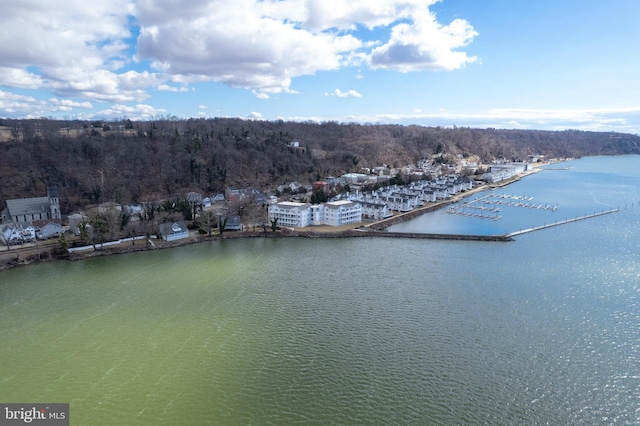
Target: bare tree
208	218
133	229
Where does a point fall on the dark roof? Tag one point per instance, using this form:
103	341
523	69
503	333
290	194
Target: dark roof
173	228
27	206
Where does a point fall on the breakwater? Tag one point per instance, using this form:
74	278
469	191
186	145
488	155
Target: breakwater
368	233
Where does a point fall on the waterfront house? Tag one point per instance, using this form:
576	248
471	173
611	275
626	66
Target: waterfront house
17	233
233	224
49	230
173	231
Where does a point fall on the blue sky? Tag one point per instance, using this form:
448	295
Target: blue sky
544	64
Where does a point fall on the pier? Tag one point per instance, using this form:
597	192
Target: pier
549	225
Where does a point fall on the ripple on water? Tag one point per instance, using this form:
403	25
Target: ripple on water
544	330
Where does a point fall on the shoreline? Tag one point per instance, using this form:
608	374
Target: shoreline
26	256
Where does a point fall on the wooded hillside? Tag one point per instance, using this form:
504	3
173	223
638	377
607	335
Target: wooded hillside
124	161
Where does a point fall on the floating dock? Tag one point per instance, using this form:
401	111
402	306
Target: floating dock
549	225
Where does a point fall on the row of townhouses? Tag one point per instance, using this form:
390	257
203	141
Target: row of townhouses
500	172
374	205
380	203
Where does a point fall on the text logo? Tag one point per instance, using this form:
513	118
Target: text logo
34	414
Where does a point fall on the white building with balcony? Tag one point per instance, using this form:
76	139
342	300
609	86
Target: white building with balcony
300	215
338	213
297	215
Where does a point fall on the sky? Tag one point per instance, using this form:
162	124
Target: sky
537	64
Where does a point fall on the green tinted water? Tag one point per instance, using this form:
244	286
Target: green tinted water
354	331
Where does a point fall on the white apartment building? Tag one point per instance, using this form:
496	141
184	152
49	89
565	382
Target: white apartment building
343	212
300	215
297	215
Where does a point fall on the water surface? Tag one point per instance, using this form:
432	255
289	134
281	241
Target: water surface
542	330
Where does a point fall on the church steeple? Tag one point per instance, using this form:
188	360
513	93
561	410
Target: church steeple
54	202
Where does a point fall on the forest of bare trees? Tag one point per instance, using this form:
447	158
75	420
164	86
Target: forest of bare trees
125	161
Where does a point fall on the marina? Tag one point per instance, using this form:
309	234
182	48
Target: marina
490	205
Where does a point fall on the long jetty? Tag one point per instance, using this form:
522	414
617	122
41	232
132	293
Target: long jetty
562	222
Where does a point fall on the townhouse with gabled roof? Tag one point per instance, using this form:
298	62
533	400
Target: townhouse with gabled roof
375	210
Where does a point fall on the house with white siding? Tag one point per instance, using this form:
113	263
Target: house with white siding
288	213
398	202
49	230
338	213
174	231
375	211
17	233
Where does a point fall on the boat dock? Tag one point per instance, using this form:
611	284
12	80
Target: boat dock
549	225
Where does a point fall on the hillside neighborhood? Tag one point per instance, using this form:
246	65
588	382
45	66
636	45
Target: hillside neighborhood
368	196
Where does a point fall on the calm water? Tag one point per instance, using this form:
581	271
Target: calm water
568	190
543	330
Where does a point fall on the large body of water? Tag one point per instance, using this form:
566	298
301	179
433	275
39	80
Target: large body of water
542	330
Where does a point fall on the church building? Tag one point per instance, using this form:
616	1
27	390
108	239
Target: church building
28	210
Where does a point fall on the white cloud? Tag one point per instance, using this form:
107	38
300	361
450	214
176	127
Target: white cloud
255	116
137	112
233	42
425	45
612	119
102	86
202	107
322	15
349	93
263	45
167	88
20	78
81	50
64	48
68	104
20	105
260	95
